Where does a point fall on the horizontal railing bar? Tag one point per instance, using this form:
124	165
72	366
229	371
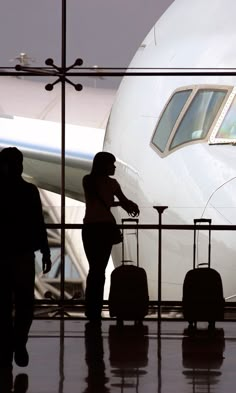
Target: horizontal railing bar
152	303
118	74
154	226
49	73
103	68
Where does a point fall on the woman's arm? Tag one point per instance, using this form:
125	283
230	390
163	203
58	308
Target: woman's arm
129	206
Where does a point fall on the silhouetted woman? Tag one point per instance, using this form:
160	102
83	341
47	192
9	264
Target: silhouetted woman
100	193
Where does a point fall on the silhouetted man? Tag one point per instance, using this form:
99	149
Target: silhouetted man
22	232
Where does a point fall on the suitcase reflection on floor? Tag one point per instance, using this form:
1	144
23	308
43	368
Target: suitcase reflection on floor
128	347
203	356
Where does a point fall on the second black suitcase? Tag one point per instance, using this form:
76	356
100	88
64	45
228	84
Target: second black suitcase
202	290
128	298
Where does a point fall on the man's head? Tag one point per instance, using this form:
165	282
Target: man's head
11	161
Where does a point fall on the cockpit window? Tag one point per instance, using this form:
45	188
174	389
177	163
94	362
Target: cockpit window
169	118
199	117
197	112
227	129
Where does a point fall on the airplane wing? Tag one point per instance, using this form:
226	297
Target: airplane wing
32	124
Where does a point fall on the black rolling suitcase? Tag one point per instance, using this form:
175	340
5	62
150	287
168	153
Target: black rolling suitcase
128	297
202	289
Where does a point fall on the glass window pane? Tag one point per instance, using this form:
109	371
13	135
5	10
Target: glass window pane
74	270
30	27
199	117
169	118
228	127
30	120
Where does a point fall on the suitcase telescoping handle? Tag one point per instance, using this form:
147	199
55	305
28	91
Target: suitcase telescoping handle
199	221
130	221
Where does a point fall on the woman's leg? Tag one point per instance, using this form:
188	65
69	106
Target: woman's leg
98	249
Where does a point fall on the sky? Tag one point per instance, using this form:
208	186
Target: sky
105	33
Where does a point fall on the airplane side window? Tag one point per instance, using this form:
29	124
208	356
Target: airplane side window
169	118
199	117
227	129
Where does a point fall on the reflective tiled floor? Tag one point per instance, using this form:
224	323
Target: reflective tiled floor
73	357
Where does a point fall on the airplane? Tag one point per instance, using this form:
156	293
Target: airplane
173	138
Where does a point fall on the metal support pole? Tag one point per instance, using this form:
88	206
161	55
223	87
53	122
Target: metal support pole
63	116
61	73
160	210
61	356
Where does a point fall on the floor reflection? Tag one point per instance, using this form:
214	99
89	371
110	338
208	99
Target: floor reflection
203	356
78	357
128	346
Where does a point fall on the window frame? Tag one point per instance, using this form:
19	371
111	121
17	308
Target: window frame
214	140
195	89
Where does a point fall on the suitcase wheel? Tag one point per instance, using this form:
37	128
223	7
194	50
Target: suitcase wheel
211	325
119	322
137	322
192	325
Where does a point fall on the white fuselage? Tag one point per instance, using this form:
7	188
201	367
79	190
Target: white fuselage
195	180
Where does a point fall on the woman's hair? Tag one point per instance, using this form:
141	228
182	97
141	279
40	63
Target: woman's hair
101	161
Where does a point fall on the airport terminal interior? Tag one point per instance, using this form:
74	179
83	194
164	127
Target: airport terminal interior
67	353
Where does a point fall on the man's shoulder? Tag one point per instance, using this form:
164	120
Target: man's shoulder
86	178
29	187
87	181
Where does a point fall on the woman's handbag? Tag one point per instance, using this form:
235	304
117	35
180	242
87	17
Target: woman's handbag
116	234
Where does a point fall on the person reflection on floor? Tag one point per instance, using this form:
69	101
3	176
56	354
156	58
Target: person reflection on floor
96	379
6	380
